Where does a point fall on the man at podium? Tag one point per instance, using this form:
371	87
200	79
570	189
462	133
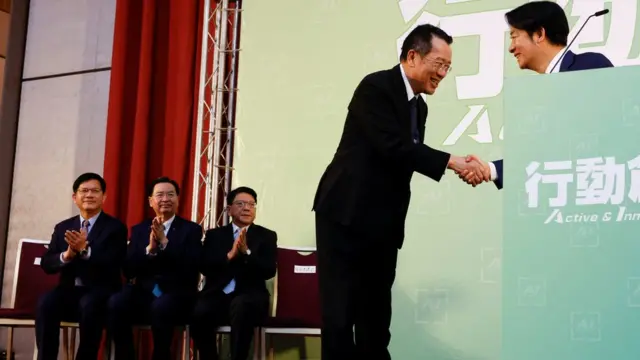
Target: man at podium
539	32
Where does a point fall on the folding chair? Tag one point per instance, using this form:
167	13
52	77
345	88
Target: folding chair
256	340
30	282
296	297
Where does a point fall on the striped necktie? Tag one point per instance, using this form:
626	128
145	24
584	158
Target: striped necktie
85	226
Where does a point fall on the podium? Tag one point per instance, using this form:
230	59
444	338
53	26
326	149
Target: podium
571	244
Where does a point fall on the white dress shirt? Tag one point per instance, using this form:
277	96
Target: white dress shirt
407	85
494	172
556	59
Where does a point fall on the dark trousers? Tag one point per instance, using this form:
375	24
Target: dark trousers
243	311
135	306
355	275
87	306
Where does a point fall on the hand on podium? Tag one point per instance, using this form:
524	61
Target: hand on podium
471	170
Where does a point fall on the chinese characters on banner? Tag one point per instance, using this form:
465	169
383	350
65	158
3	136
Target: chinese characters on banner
596	181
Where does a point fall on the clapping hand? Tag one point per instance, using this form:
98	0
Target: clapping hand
157	229
242	241
239	245
77	240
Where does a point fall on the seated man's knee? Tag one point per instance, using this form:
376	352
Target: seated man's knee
118	304
49	303
162	308
245	310
199	312
204	315
92	305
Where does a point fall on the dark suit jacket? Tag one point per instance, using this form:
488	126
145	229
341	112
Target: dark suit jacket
174	269
108	242
570	62
249	271
368	181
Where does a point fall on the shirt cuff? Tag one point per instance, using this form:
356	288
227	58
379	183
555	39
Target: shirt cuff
146	250
62	258
494	173
87	255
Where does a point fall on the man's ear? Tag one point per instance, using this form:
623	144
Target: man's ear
539	36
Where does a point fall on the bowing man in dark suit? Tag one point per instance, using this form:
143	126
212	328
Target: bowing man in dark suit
237	259
88	252
363	196
162	260
539	35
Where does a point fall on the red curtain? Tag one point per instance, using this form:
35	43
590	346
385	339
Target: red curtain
152	105
152	102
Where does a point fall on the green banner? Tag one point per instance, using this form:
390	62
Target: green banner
571	246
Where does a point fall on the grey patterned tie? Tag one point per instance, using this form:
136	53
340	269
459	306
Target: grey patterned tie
85	226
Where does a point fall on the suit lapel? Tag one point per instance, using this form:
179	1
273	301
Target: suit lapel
175	234
228	234
401	98
98	227
252	235
423	112
71	225
567	61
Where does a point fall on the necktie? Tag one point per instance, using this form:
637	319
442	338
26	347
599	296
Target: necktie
156	288
232	284
413	110
85	226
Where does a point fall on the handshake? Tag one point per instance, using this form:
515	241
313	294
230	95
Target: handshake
470	169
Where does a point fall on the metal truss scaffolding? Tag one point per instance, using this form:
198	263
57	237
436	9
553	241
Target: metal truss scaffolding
216	111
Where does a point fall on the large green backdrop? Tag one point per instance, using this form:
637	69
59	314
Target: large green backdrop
301	61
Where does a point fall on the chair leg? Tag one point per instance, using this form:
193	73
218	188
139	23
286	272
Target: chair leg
112	348
263	344
65	344
72	344
138	343
10	343
184	353
271	353
256	344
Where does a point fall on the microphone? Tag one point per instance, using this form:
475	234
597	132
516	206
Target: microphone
597	14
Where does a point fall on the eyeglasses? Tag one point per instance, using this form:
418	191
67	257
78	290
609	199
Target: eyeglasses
160	195
242	204
86	191
439	65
